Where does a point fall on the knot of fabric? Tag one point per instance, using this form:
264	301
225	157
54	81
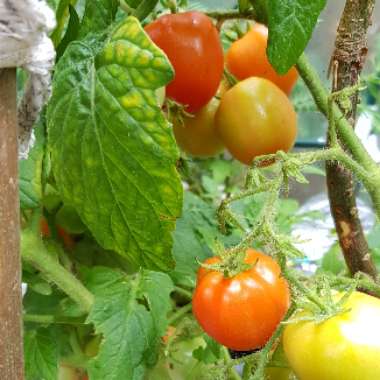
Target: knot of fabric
24	42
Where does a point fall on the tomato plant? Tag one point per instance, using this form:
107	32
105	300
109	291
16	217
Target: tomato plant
247	57
278	373
255	118
346	346
217	301
192	44
197	134
114	221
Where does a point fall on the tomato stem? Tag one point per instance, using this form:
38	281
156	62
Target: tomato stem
183	292
230	15
52	319
264	355
344	129
227	358
34	252
179	313
293	280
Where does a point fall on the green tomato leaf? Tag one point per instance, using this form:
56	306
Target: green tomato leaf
41	355
98	16
131	314
209	353
67	218
333	261
144	9
261	10
113	152
61	15
30	172
195	232
290	20
71	32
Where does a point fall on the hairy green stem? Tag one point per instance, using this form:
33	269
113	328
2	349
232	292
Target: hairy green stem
125	7
369	177
293	280
144	9
179	313
247	370
344	129
230	15
52	319
363	282
183	292
34	252
263	356
227	358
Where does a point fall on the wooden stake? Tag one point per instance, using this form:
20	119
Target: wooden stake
11	347
347	62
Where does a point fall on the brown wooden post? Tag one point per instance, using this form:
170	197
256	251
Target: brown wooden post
346	64
11	346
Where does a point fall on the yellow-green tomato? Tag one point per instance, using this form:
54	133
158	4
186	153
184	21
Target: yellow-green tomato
66	372
344	347
278	373
197	135
255	118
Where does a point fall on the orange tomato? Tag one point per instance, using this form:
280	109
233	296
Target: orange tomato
243	311
247	58
197	134
256	118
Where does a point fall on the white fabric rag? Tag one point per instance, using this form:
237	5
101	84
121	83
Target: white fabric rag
24	42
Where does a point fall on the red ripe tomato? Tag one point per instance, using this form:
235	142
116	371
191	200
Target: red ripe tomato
247	58
193	47
197	134
242	312
255	118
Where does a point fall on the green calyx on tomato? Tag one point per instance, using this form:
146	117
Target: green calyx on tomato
192	44
196	134
345	346
256	118
241	312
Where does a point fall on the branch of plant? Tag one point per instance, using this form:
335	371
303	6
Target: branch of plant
226	215
263	356
34	252
344	129
273	186
53	319
179	313
369	177
184	292
231	15
227	358
361	280
310	294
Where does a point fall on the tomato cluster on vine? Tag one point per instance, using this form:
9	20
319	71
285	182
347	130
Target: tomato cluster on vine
251	118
